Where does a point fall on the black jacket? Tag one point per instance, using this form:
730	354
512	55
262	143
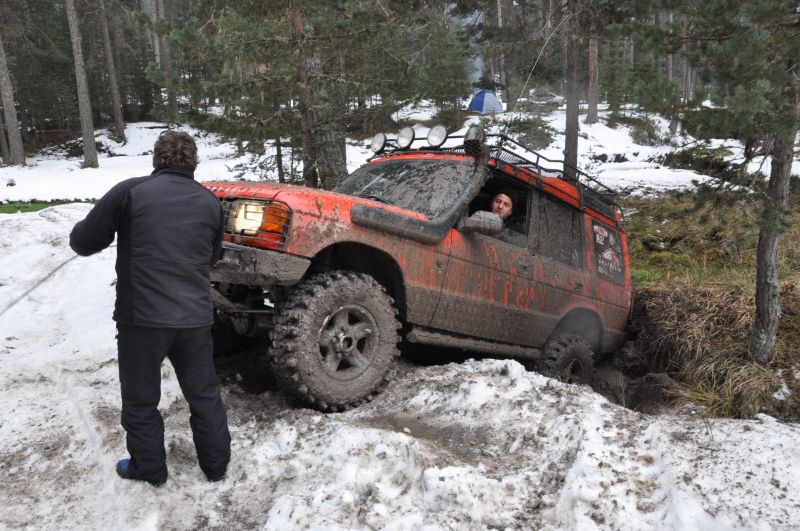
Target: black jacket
169	235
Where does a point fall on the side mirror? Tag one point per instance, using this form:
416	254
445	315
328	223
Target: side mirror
482	222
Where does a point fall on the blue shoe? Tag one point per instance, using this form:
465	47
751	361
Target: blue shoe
124	471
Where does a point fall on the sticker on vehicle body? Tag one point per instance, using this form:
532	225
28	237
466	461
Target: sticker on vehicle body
608	253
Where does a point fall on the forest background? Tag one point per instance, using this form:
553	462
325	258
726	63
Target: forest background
717	297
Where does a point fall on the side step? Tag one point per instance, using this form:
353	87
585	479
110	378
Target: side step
426	336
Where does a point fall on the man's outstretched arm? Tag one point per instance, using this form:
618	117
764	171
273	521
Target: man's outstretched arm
96	231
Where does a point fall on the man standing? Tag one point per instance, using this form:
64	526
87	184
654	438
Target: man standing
169	230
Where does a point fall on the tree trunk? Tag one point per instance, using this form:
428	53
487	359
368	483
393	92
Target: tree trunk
16	153
149	7
332	141
324	161
166	65
552	9
670	56
84	105
592	95
773	221
296	19
116	103
4	154
571	130
687	80
279	160
630	52
502	59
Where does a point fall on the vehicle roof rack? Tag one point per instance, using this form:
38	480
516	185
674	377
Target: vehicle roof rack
593	193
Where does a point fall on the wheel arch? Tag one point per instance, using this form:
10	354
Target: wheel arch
361	258
584	323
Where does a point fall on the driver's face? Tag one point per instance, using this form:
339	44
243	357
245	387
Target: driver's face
502	205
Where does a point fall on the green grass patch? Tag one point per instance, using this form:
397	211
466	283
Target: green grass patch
12	207
643	275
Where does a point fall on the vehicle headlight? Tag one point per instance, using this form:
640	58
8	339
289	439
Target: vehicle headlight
245	217
250	217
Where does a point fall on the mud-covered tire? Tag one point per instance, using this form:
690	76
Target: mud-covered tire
335	339
568	358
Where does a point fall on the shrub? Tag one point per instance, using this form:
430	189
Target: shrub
532	132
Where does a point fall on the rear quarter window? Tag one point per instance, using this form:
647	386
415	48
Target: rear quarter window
558	231
609	259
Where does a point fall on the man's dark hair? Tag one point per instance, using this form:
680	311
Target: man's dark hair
511	193
175	149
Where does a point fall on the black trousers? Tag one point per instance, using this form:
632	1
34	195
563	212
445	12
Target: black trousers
190	350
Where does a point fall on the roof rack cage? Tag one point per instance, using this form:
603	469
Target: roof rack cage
593	193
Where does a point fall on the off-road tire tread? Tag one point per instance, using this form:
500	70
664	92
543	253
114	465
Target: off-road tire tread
293	327
566	345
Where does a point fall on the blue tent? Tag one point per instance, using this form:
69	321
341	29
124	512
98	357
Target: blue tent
485	101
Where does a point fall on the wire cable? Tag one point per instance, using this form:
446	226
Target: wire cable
40	282
541	51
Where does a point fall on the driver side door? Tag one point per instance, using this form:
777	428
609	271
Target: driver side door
488	288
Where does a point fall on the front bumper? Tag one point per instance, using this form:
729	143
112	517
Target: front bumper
258	267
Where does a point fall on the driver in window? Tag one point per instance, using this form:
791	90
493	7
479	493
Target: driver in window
503	204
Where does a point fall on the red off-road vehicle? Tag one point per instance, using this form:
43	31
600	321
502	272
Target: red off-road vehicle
406	247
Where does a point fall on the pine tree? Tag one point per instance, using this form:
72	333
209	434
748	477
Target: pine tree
749	50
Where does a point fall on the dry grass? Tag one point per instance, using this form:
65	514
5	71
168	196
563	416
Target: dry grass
699	332
693	259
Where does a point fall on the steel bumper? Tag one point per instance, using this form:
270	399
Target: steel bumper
258	267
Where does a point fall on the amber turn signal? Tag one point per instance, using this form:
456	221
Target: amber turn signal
276	217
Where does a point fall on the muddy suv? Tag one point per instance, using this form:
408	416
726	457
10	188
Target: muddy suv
407	248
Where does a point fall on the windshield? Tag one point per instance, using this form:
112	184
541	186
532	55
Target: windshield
423	185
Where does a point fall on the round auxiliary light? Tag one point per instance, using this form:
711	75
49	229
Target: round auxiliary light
378	143
405	137
437	136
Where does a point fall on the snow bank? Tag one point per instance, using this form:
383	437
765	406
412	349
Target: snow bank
476	445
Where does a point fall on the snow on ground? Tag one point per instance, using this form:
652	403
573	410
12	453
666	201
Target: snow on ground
475	445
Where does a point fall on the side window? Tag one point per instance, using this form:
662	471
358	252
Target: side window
516	225
608	253
558	231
